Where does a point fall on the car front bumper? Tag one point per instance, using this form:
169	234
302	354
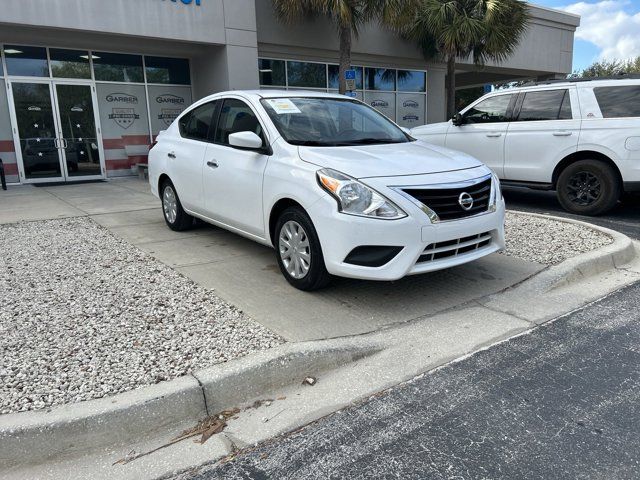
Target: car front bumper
340	234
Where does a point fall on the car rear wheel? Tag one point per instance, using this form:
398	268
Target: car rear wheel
175	216
298	251
588	187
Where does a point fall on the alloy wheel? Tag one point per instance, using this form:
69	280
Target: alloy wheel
294	248
584	188
170	204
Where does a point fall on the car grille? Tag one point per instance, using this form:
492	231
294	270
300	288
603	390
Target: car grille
453	248
445	201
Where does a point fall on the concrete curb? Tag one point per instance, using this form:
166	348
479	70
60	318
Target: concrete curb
71	430
587	264
548	294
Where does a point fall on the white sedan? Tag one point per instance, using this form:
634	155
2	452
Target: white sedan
333	185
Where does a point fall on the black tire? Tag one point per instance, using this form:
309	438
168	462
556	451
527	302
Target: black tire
588	187
177	220
316	276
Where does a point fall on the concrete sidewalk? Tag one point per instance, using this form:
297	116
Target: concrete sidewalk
246	274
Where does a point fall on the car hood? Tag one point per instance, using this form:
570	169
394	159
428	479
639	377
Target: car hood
391	160
432	129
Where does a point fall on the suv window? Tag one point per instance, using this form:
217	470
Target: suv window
619	101
491	110
196	124
545	105
236	116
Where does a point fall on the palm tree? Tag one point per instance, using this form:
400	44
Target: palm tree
347	16
481	29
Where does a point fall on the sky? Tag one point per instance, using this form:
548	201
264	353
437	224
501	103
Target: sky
608	29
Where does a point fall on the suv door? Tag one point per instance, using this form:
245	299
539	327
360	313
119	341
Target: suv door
544	130
186	155
233	178
483	132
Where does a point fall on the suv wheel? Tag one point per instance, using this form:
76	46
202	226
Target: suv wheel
298	251
175	216
588	187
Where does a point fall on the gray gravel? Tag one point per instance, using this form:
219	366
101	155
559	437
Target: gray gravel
548	241
85	315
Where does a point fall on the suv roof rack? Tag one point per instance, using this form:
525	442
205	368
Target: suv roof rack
623	76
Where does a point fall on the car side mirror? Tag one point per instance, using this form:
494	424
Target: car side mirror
458	119
245	141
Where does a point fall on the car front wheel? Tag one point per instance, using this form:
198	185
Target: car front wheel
298	251
588	187
175	216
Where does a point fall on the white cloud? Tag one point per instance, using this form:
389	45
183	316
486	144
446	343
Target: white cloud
610	26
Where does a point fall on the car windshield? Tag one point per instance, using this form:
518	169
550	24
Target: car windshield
331	122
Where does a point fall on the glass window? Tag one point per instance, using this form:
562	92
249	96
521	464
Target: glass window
412	81
622	101
116	67
236	116
166	103
167	70
491	110
334	77
196	124
272	72
125	126
70	63
380	79
329	122
305	74
565	109
543	105
26	61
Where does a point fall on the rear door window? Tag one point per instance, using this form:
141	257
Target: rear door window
619	101
197	123
545	105
491	110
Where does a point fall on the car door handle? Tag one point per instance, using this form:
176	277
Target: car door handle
494	135
212	164
562	133
171	155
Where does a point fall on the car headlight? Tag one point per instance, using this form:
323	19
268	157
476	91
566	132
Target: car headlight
496	193
355	198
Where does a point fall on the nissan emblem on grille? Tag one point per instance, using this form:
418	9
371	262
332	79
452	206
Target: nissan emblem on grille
466	201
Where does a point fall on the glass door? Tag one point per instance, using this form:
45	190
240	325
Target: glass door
78	132
57	132
39	144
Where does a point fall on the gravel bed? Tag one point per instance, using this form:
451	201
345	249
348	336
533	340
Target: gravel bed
549	241
86	315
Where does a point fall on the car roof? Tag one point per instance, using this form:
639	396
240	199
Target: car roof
274	93
579	82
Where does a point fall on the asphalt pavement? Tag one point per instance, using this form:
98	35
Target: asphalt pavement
560	402
625	217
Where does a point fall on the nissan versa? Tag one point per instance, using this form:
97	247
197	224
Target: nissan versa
333	185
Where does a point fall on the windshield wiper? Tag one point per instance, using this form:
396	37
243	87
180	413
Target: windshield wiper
311	143
369	141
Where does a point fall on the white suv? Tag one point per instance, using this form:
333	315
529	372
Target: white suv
580	138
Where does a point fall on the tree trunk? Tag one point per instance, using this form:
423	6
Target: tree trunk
345	55
451	86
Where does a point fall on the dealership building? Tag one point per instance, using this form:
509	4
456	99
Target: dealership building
85	85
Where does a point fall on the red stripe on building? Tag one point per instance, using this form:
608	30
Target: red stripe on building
118	143
10	169
121	164
7	146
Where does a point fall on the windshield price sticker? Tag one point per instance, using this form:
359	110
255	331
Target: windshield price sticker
282	106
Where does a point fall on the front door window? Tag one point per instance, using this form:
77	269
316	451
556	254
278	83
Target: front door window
78	126
37	130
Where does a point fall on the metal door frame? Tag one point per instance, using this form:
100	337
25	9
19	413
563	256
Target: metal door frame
64	176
